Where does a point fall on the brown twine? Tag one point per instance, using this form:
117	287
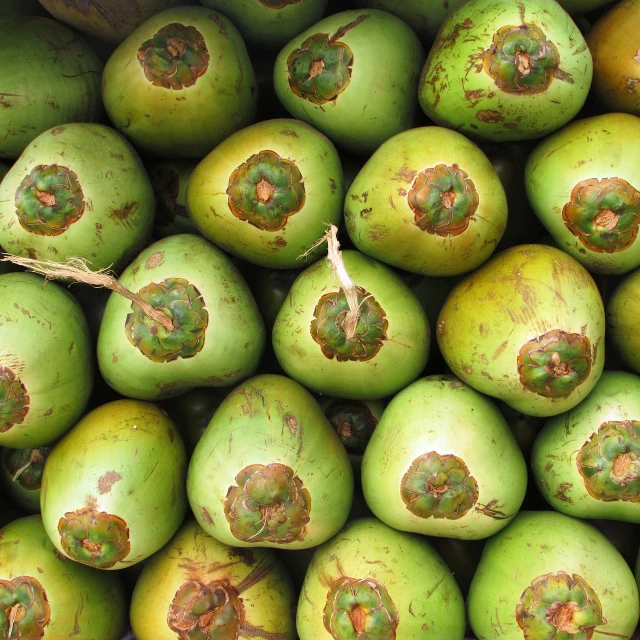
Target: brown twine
77	269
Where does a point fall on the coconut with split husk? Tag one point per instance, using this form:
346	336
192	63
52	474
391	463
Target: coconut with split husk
347	323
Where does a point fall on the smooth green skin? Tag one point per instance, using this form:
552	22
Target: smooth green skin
85	604
539	543
50	77
429	602
318	162
424	16
380	99
44	340
440	413
267	27
623	310
180	224
605	146
381	223
553	460
234	338
518	295
454	56
136	440
194	555
408	333
107	20
112	179
184	123
250	427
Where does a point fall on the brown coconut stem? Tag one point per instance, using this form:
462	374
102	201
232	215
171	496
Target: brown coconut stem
34	457
76	269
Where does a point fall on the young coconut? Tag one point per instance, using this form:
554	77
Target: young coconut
586	462
43	595
371	581
21	475
524	70
426	470
206	332
113	489
169	181
46	361
267	193
623	311
548	576
583	182
285	483
50	77
614	46
180	62
427	201
348	322
270	24
336	77
77	190
201	589
526	328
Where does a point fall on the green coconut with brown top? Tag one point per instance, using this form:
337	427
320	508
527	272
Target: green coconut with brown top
623	330
586	462
50	77
44	595
347	323
285	483
334	77
21	475
506	70
46	362
180	83
551	577
371	581
429	471
169	178
78	190
206	331
267	193
197	588
428	201
270	24
583	184
113	489
527	328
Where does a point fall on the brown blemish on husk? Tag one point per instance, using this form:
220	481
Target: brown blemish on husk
106	482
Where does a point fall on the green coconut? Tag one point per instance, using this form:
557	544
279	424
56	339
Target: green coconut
583	183
623	311
521	70
550	577
267	193
215	337
169	181
526	328
431	471
78	190
197	588
109	20
270	288
270	24
113	489
523	427
50	77
353	76
43	595
427	201
46	363
285	482
180	83
586	462
371	581
21	475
